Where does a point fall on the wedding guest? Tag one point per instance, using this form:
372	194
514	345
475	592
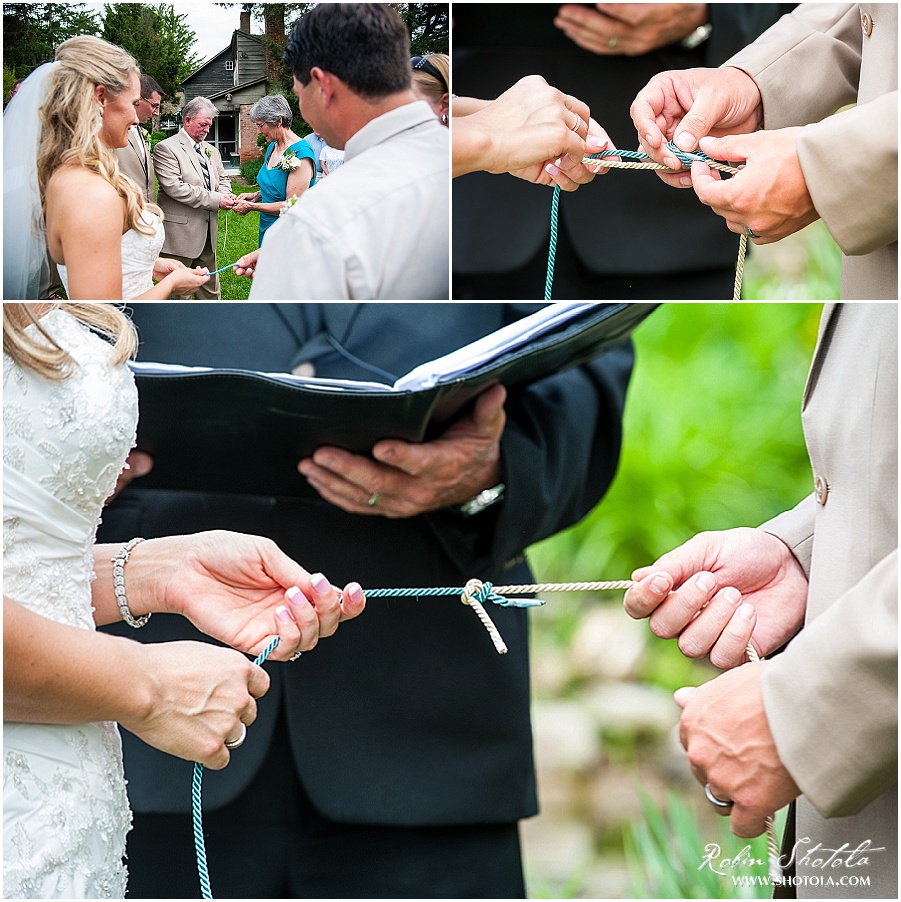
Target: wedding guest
135	159
69	415
351	64
193	188
315	141
331	159
64	197
14	89
431	74
289	166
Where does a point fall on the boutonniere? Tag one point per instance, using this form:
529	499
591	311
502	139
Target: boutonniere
288	163
288	204
144	134
209	153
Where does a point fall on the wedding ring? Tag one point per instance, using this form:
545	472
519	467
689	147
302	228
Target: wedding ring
613	42
237	743
749	233
575	128
374	499
720	803
295	656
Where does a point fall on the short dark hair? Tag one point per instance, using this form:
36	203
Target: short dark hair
149	85
366	45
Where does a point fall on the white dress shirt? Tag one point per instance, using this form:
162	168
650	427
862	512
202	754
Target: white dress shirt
375	230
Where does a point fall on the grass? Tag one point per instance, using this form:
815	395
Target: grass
238	235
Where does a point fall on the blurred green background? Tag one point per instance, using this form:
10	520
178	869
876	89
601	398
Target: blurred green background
713	440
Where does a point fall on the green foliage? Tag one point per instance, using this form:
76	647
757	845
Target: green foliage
33	31
249	170
155	139
158	38
9	79
712	436
428	24
238	235
665	852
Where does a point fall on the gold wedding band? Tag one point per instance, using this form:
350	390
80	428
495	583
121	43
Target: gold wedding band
374	499
237	743
613	42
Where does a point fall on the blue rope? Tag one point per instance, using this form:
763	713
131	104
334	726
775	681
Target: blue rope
486	594
197	807
684	157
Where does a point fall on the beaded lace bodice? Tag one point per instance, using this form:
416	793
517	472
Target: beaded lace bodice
64	444
139	253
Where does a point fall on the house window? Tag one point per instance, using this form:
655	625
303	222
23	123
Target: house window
229	65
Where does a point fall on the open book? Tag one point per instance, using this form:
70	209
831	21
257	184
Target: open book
238	431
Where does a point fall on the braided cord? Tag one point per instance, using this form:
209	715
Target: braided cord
637	159
197	803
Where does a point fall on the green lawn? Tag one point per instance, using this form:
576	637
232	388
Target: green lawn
238	235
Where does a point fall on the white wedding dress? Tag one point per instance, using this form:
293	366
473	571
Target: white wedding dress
139	253
65	811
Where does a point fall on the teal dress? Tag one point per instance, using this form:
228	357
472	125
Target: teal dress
273	183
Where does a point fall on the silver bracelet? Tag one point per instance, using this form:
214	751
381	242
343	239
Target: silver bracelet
119	585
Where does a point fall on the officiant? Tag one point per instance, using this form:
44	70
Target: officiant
395	760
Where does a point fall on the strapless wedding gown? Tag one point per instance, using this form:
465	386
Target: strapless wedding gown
65	811
139	253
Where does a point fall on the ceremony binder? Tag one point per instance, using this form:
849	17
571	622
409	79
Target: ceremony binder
239	431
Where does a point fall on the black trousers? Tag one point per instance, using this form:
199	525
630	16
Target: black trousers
573	281
270	843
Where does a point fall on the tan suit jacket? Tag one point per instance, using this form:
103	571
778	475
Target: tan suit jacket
831	697
809	64
136	162
191	209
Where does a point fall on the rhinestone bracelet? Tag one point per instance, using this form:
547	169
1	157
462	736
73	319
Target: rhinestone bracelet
119	585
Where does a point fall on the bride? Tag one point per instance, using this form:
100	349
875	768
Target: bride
64	193
69	415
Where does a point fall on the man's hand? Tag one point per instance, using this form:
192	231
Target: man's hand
685	105
407	479
769	195
227	201
629	29
726	734
246	265
696	592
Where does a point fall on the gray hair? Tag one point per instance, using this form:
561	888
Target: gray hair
199	106
270	109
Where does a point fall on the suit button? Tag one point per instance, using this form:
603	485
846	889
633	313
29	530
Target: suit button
867	23
307	370
820	489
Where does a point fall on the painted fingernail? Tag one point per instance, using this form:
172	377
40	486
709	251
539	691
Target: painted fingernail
295	596
706	582
595	141
282	613
659	585
320	584
355	591
746	612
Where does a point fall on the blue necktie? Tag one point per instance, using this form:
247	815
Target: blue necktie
203	166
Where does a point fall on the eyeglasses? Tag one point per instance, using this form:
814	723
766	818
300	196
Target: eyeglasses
421	63
153	106
260	125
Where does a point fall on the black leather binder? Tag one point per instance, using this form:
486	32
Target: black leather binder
236	431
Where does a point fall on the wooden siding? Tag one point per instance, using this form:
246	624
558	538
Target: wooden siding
210	79
252	66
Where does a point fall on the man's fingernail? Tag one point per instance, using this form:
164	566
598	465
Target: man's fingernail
320	583
282	613
685	181
649	139
706	582
685	141
659	585
733	596
746	612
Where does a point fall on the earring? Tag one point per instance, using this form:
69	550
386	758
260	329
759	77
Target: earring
444	118
99	117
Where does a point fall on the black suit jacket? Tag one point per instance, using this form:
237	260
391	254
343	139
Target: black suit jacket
625	222
407	715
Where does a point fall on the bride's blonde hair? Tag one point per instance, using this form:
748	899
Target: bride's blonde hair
71	120
42	355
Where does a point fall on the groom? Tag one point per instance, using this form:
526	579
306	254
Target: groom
193	188
135	159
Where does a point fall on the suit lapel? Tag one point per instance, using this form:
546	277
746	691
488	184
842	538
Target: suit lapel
140	149
824	338
188	146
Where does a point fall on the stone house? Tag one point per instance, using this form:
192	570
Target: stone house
234	80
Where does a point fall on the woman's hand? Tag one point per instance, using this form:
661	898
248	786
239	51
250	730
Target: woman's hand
233	588
186	281
242	207
193	698
164	266
246	265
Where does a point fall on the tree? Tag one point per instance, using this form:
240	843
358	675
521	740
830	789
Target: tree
428	24
157	37
33	31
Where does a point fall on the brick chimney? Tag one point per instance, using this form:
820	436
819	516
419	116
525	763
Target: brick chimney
245	22
274	29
